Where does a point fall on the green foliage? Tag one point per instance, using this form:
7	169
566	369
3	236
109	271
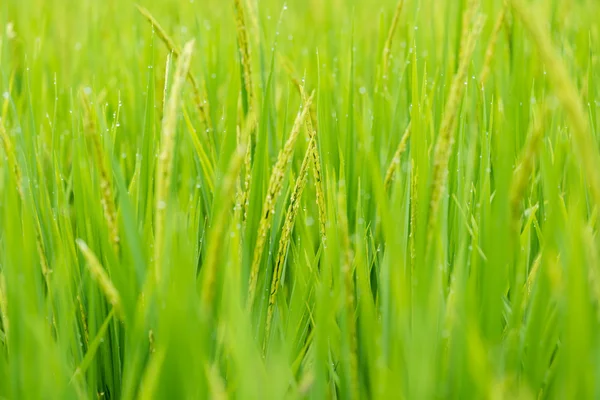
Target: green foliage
459	261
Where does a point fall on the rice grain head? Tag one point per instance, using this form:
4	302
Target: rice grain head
311	128
245	136
165	160
244	50
389	175
467	20
445	139
387	48
284	241
100	276
318	177
199	91
273	190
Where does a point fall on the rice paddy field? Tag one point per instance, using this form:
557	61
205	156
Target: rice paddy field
254	199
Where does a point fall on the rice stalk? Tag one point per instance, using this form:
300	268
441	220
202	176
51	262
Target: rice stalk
199	91
387	47
349	300
489	53
389	175
565	90
273	190
165	160
445	140
284	241
107	195
218	224
100	276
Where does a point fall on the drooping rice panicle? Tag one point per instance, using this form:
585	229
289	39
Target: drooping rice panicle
317	175
389	175
387	47
106	189
273	190
245	136
445	139
86	334
165	160
312	127
565	90
467	20
100	276
199	91
284	241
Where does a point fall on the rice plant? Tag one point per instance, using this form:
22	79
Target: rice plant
304	199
